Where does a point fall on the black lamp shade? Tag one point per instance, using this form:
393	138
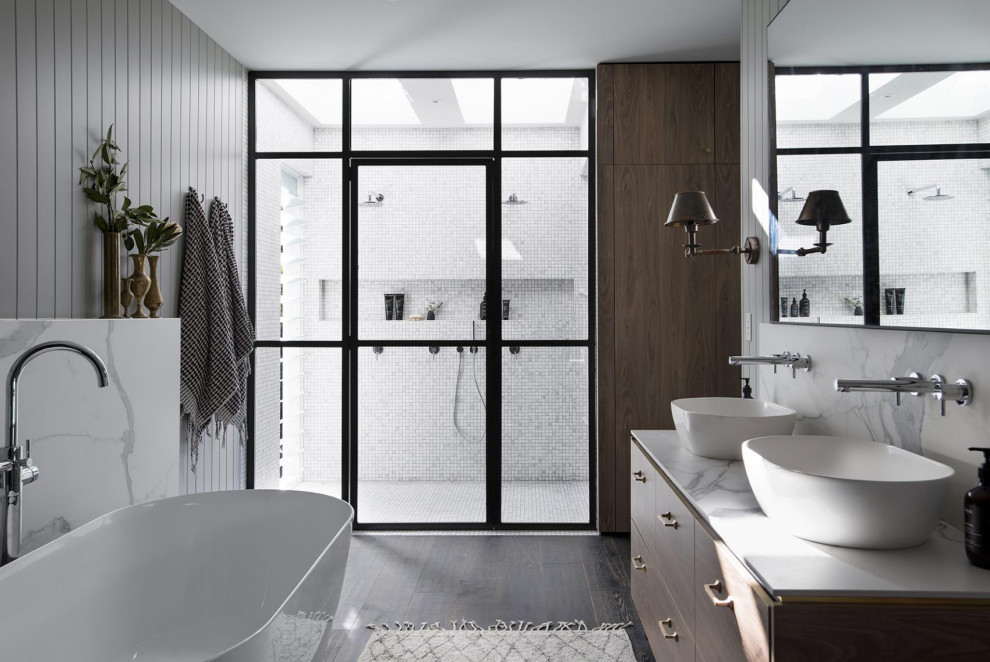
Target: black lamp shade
823	208
690	207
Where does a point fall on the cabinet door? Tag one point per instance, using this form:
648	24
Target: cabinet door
664	627
664	113
641	491
673	549
731	619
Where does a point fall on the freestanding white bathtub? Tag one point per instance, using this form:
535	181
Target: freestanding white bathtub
245	576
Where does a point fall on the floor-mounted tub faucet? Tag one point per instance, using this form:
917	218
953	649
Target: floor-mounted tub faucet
15	468
914	384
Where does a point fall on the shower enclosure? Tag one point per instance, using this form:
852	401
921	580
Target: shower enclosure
421	275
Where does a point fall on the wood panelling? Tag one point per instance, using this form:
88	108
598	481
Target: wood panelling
667	323
830	633
727	112
68	69
606	348
71	68
605	97
663	113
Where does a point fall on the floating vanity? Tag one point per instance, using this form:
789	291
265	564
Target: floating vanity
715	580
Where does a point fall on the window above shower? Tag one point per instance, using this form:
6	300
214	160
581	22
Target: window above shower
908	150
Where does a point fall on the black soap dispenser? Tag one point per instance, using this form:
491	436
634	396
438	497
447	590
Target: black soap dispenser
804	305
977	516
747	389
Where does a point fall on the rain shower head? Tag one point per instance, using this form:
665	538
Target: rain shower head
938	193
793	197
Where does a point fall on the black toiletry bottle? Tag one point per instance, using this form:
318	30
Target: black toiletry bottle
805	304
977	515
483	313
794	307
747	389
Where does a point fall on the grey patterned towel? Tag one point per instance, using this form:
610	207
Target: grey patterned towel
216	333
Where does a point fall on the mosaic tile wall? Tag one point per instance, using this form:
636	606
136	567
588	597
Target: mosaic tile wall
938	250
406	394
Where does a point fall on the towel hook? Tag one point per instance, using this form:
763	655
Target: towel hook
199	196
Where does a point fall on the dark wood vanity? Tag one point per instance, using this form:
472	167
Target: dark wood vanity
699	602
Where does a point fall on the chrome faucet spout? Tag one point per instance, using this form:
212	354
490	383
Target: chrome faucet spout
960	391
15	468
792	361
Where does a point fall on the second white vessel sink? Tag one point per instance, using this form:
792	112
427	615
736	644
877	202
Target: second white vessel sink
717	427
847	492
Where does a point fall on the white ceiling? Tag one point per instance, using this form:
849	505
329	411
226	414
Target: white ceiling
466	34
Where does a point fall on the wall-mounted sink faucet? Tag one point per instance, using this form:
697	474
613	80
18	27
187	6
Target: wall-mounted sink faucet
792	361
15	468
914	384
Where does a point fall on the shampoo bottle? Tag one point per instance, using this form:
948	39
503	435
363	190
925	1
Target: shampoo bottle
977	516
804	305
794	307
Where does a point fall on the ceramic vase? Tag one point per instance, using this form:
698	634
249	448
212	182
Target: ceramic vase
430	315
125	296
139	285
153	299
111	275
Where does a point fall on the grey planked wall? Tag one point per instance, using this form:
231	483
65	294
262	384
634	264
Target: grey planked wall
754	155
69	68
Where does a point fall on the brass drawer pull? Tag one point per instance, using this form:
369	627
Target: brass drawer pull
638	563
668	519
710	589
664	624
638	475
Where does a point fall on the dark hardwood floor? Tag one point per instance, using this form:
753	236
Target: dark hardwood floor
483	578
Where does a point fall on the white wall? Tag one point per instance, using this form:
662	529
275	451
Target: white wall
851	352
68	69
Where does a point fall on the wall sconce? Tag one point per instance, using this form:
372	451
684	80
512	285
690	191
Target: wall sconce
691	209
823	209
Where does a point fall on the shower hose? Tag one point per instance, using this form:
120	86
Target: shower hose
477	387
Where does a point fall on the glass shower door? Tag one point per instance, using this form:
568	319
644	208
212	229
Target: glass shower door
419	349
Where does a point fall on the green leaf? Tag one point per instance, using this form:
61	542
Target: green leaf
101	223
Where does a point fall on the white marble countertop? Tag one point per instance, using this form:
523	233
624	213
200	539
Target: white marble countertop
787	566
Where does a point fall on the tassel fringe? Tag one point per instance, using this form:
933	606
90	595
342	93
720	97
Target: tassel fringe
499	626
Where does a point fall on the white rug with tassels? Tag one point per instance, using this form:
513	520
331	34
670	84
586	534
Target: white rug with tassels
514	641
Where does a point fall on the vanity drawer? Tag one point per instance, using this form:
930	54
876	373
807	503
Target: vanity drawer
641	491
672	548
661	620
731	618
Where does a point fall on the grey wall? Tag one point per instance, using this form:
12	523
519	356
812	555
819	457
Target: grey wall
69	68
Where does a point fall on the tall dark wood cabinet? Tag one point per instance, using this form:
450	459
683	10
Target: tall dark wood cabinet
666	324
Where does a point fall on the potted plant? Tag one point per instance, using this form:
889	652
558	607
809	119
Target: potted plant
432	308
102	180
149	235
856	303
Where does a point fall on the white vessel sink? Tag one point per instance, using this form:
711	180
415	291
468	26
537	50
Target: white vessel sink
848	492
717	427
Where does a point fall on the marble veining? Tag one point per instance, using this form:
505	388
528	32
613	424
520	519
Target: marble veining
97	449
877	354
787	566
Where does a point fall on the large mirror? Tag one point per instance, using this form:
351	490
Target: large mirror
888	103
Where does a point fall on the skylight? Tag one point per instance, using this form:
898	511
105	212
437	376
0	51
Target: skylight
476	98
536	100
320	97
381	101
816	97
962	95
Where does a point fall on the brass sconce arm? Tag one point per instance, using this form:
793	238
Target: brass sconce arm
751	248
691	209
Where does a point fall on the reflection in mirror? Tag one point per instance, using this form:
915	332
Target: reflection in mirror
915	177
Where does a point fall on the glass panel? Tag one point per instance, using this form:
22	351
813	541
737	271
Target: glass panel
298	266
423	113
421	435
818	110
545	430
299	114
934	244
297	419
545	248
833	281
421	239
544	113
930	107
